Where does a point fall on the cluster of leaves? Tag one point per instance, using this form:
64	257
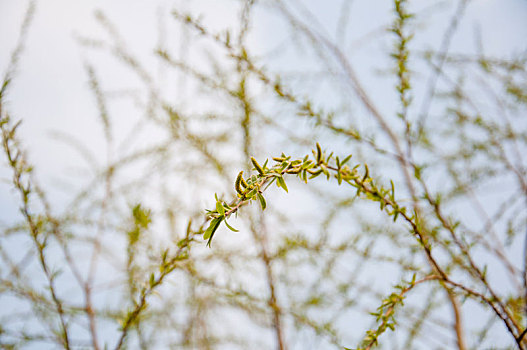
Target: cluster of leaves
402	53
307	168
385	314
311	167
253	187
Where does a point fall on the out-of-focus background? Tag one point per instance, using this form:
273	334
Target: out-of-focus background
162	103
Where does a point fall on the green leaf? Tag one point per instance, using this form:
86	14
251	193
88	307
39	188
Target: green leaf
219	208
152	280
262	201
133	235
315	173
281	182
230	227
366	173
325	171
141	216
319	153
345	160
182	242
252	193
214	224
189	227
285	165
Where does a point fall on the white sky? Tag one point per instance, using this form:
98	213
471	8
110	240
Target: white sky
50	90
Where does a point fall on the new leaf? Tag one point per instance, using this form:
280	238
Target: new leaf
214	224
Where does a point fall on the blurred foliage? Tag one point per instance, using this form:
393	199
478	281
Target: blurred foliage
415	240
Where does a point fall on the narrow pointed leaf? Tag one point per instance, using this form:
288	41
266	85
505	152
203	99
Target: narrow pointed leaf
252	193
230	227
219	208
209	233
345	160
262	201
281	182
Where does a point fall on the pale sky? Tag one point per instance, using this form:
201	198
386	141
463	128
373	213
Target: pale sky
50	90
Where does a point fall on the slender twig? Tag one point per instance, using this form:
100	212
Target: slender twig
21	170
388	313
